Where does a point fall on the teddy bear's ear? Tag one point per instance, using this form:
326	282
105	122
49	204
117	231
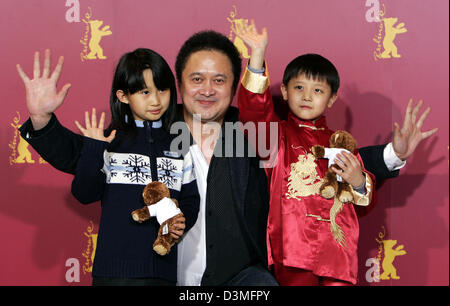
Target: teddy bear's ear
162	190
353	145
336	137
343	139
349	141
154	192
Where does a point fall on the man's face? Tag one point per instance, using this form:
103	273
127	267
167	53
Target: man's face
206	88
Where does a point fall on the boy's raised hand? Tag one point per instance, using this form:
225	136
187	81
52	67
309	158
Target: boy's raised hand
408	137
91	130
42	95
256	41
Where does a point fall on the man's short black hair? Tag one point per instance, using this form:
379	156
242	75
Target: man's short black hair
313	66
213	41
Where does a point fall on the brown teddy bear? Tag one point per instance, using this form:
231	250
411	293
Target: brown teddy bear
159	204
331	186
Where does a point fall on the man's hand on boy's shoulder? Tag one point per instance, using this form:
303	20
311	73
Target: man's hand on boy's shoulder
408	137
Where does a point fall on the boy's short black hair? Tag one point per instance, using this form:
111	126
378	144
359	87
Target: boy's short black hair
209	40
313	66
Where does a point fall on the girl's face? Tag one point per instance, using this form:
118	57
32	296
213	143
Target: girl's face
150	103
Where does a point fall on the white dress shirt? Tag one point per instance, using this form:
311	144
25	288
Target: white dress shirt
192	248
391	159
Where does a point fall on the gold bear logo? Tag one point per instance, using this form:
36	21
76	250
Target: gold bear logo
389	271
238	42
24	153
390	33
20	153
89	252
92	37
96	36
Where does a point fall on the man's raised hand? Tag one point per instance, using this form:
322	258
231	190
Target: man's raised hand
408	137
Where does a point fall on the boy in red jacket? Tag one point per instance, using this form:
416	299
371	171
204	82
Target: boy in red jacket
302	248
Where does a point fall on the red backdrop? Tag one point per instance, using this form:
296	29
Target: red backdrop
47	237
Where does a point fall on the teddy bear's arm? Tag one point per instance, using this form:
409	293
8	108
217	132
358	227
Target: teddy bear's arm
318	151
141	215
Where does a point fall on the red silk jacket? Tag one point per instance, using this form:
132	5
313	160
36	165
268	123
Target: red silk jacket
305	230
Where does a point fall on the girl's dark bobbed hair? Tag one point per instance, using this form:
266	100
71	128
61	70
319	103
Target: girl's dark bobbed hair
129	78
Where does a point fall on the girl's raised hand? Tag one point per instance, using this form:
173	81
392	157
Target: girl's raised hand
42	95
91	130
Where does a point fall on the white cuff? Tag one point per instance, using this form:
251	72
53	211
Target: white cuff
391	159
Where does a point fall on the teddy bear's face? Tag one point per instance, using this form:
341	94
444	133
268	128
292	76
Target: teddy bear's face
342	139
155	192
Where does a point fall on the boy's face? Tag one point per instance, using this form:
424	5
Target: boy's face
307	98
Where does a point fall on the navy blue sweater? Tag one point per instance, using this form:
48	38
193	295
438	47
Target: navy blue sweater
116	174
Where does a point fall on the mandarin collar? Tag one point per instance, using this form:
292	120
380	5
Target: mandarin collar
139	123
319	123
155	124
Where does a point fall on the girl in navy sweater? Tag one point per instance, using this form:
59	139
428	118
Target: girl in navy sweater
116	165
